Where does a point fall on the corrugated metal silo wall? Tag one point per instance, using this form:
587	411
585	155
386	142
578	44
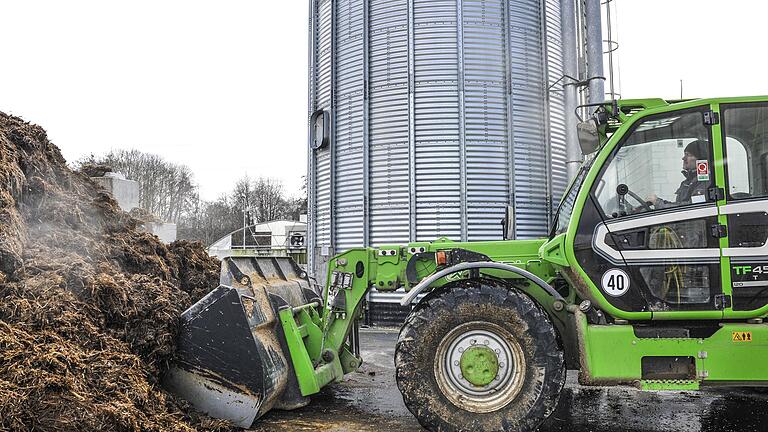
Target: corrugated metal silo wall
319	231
441	116
555	101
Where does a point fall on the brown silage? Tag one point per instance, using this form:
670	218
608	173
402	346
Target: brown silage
89	305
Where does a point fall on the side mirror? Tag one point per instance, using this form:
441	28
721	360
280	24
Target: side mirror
589	137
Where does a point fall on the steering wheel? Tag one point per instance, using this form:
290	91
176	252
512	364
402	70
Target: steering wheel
642	202
622	189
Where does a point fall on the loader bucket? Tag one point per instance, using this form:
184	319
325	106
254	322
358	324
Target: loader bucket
232	360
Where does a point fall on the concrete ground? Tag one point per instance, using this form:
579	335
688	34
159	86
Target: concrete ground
369	400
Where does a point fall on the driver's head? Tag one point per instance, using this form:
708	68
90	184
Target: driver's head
696	149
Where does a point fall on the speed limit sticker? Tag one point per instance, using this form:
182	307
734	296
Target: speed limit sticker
615	282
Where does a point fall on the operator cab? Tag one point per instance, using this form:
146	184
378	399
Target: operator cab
672	214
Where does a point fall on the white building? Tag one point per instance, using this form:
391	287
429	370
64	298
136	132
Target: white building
275	238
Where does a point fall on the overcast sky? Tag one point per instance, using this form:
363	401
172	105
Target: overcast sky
221	86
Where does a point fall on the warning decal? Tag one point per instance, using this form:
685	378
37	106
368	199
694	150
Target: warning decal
702	169
741	336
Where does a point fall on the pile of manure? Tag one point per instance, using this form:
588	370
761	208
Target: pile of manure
89	305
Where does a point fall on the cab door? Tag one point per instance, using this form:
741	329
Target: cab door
745	210
648	233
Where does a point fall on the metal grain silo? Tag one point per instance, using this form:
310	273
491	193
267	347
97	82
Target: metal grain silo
437	116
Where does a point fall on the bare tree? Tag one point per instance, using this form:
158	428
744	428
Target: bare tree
243	197
168	190
261	199
211	220
269	202
165	189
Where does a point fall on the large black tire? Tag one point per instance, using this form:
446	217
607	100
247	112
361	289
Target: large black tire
485	304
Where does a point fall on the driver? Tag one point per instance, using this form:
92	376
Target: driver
691	190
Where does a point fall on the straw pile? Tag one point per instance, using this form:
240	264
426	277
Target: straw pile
89	305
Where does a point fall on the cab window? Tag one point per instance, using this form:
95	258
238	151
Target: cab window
746	149
745	132
665	162
565	210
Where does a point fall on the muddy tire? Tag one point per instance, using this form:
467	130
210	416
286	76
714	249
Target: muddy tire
481	317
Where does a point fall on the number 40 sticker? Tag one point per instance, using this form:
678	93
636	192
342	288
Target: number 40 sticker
615	282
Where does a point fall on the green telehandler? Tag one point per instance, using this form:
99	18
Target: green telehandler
655	275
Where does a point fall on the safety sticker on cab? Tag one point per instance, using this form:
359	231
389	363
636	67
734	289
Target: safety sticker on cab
741	336
702	169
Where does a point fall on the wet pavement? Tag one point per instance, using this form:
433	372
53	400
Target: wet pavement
368	400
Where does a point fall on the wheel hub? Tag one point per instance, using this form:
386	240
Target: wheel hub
479	365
